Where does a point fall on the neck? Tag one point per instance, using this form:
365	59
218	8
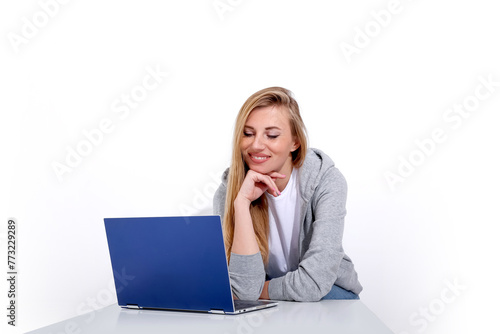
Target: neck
287	170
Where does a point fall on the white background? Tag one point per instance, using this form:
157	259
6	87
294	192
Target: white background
166	156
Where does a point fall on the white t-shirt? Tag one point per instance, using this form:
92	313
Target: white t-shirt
284	227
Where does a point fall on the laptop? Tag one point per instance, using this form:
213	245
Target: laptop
173	263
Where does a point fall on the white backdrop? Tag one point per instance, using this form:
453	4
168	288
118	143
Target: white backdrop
126	108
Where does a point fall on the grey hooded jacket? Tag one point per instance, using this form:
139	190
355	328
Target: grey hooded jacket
323	192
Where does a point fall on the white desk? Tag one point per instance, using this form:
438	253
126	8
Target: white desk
327	316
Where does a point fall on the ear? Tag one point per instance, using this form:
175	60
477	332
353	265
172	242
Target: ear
296	144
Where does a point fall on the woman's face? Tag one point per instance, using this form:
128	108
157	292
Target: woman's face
267	142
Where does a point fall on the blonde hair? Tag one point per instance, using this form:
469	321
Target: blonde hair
272	96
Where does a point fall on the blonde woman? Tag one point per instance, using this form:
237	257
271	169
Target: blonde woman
283	205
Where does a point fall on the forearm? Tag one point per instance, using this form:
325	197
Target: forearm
247	275
246	268
244	241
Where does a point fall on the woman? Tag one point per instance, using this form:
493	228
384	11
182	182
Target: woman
283	208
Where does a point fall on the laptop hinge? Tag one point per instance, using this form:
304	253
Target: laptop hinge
133	306
216	311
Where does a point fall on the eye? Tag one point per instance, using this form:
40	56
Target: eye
272	136
247	134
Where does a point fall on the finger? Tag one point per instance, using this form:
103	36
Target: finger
267	180
277	192
276	175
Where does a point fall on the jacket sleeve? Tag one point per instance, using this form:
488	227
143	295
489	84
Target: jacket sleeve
246	272
319	267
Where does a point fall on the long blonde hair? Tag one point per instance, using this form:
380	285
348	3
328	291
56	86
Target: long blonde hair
272	96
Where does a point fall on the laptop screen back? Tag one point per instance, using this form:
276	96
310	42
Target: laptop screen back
170	262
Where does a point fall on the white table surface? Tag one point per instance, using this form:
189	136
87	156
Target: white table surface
327	316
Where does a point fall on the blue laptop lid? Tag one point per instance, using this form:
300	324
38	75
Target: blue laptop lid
170	262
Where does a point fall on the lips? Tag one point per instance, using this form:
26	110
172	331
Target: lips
258	158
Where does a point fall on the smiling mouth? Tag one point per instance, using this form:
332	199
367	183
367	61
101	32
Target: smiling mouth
258	159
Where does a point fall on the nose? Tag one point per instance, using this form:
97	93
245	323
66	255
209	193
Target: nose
258	143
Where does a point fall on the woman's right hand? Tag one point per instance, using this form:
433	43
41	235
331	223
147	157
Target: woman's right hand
255	184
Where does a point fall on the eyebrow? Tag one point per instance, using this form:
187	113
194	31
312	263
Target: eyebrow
268	128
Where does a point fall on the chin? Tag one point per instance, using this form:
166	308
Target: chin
261	169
